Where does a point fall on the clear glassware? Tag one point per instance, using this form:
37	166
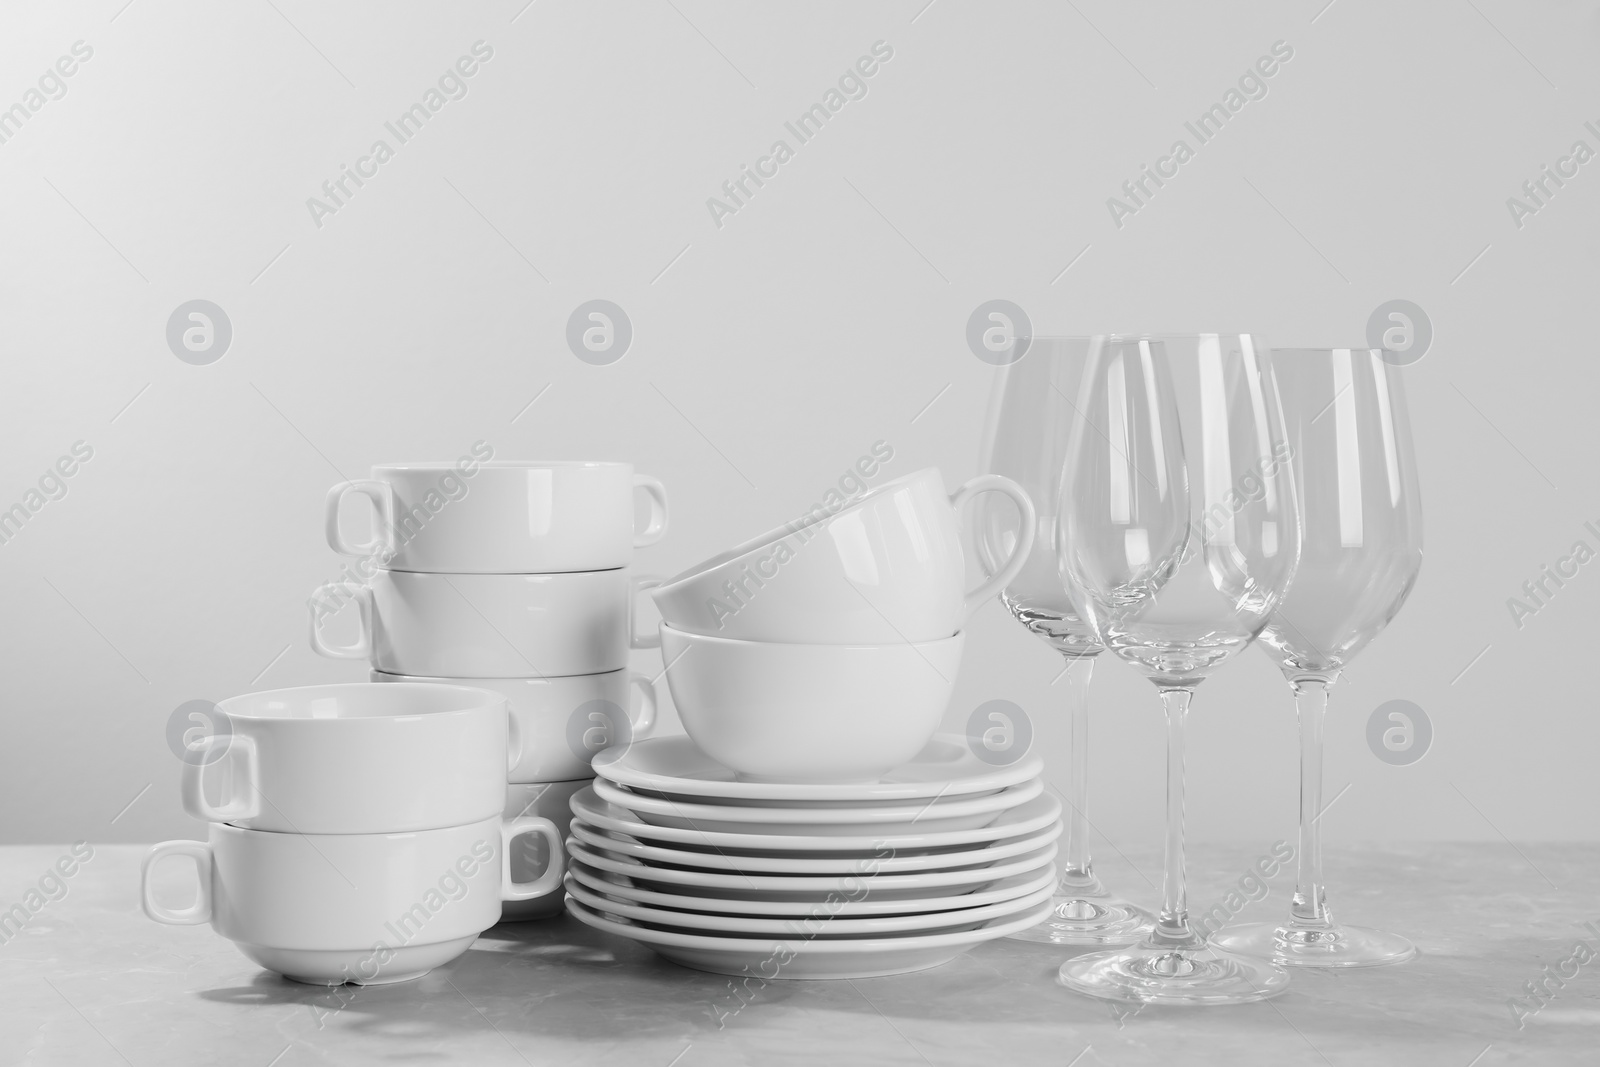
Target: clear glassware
1360	554
1031	415
1177	536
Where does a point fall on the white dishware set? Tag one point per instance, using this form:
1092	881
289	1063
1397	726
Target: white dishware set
812	824
355	831
519	582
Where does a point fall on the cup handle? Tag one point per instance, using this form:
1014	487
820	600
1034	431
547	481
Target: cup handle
196	913
513	741
656	528
635	639
233	808
647	705
362	649
382	496
510	830
999	483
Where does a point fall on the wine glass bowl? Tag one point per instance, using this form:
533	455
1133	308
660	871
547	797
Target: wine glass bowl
1177	577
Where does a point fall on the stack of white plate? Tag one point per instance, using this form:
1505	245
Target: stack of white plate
780	880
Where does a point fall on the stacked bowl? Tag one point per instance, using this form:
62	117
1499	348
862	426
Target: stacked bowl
355	831
513	577
810	814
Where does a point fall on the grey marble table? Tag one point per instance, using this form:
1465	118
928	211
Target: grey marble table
90	980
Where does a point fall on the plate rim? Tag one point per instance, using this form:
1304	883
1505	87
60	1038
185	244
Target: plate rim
716	861
761	882
953	915
606	766
995	831
990	931
730	906
1004	799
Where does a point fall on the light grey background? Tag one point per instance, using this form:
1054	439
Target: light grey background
769	353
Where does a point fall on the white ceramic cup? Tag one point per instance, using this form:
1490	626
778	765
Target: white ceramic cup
809	712
561	722
888	567
355	759
363	908
475	517
492	625
530	855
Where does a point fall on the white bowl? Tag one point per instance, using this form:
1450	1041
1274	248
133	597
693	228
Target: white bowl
887	567
489	625
561	722
809	713
502	517
364	908
353	758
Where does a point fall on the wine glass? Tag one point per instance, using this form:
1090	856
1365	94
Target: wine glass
1361	550
1031	415
1177	536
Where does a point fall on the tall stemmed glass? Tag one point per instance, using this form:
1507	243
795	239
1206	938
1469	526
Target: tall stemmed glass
1362	548
1031	415
1177	536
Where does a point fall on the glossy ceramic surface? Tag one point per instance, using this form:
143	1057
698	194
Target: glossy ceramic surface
474	517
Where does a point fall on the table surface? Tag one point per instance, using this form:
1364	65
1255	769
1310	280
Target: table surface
90	980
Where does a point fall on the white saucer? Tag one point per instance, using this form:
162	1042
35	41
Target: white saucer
823	923
800	887
922	816
1031	816
621	888
768	958
946	767
800	863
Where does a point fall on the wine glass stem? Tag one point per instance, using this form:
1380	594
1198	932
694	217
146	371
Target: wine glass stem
1173	929
1311	705
1077	866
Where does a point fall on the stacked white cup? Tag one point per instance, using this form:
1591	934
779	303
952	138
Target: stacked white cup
357	834
513	577
826	650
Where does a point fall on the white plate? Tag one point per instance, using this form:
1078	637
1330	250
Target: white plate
615	844
823	923
769	958
806	887
1030	817
924	816
615	885
945	768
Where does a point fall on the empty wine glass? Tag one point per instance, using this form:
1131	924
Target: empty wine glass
1031	415
1361	550
1177	535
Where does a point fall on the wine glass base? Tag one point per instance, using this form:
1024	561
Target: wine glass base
1081	920
1335	945
1147	974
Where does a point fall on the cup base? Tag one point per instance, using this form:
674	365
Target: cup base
1330	945
361	966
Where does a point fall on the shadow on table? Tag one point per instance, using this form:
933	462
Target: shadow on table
558	979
